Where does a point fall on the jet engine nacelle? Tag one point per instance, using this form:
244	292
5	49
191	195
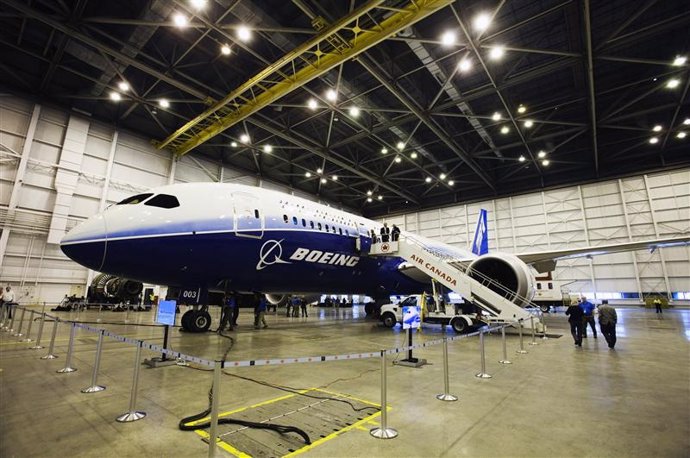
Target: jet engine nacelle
507	270
277	299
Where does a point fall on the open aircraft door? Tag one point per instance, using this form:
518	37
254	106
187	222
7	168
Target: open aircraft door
249	222
363	243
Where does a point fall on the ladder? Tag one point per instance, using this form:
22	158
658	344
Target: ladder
454	276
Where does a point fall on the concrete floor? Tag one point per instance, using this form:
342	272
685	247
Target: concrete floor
558	400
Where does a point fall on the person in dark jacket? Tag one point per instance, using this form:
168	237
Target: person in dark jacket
607	323
576	315
588	317
395	233
385	232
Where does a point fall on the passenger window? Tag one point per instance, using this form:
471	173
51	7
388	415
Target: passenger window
304	222
139	198
311	223
538	285
256	213
550	285
285	218
327	228
340	229
294	220
319	226
163	201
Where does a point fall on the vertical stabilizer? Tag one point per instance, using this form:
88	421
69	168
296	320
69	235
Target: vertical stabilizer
480	244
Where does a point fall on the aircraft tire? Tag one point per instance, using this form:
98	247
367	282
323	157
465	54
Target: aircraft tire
186	320
200	321
545	308
388	320
459	325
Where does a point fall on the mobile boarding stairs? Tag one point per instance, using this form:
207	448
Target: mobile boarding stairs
452	274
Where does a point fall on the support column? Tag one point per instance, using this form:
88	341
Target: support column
546	221
67	175
19	180
498	238
173	167
630	239
512	224
584	225
656	233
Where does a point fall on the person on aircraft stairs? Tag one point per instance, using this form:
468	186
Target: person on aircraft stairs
385	232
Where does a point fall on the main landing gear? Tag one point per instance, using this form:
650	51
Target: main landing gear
196	320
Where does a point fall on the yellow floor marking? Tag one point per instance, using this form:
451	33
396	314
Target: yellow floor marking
238	453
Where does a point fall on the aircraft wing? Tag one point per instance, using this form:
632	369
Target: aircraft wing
545	261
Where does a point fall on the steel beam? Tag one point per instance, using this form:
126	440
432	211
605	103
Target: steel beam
590	85
310	60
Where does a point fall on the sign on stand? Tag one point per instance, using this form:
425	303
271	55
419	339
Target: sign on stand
412	319
165	316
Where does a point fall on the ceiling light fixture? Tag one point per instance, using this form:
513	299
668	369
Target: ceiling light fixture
496	116
442	176
334	177
369	199
654	140
672	83
384	150
319	170
681	135
686	122
521	158
465	64
451	183
164	103
233	144
115	96
198	4
481	21
427	179
545	162
529	123
331	95
679	60
180	20
244	138
354	112
312	104
448	38
369	193
521	109
244	33
398	160
323	181
268	149
413	155
225	50
380	197
497	52
400	146
541	154
657	128
123	85
307	174
505	130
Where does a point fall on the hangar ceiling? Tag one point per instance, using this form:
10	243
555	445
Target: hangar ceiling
385	105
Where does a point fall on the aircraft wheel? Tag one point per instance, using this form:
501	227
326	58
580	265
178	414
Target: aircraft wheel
187	320
388	320
459	325
545	308
200	321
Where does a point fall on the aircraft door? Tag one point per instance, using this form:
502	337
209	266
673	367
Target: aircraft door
249	221
363	239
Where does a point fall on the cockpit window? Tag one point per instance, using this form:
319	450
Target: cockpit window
139	198
163	201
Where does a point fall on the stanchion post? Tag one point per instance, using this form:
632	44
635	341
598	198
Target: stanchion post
446	396
213	431
383	431
28	329
522	350
38	345
133	414
68	361
505	359
543	327
3	316
95	387
51	347
483	373
534	335
21	324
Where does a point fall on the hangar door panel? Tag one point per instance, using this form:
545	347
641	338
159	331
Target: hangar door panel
249	222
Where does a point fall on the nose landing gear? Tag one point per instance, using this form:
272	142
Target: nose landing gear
196	320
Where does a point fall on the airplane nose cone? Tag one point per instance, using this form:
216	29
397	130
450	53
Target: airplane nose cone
86	243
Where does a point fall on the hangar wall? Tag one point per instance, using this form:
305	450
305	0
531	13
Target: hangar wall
635	208
69	168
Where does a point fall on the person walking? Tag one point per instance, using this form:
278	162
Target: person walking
8	299
227	312
576	324
657	303
303	306
260	311
607	322
587	317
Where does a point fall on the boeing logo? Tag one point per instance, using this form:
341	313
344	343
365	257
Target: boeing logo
270	253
